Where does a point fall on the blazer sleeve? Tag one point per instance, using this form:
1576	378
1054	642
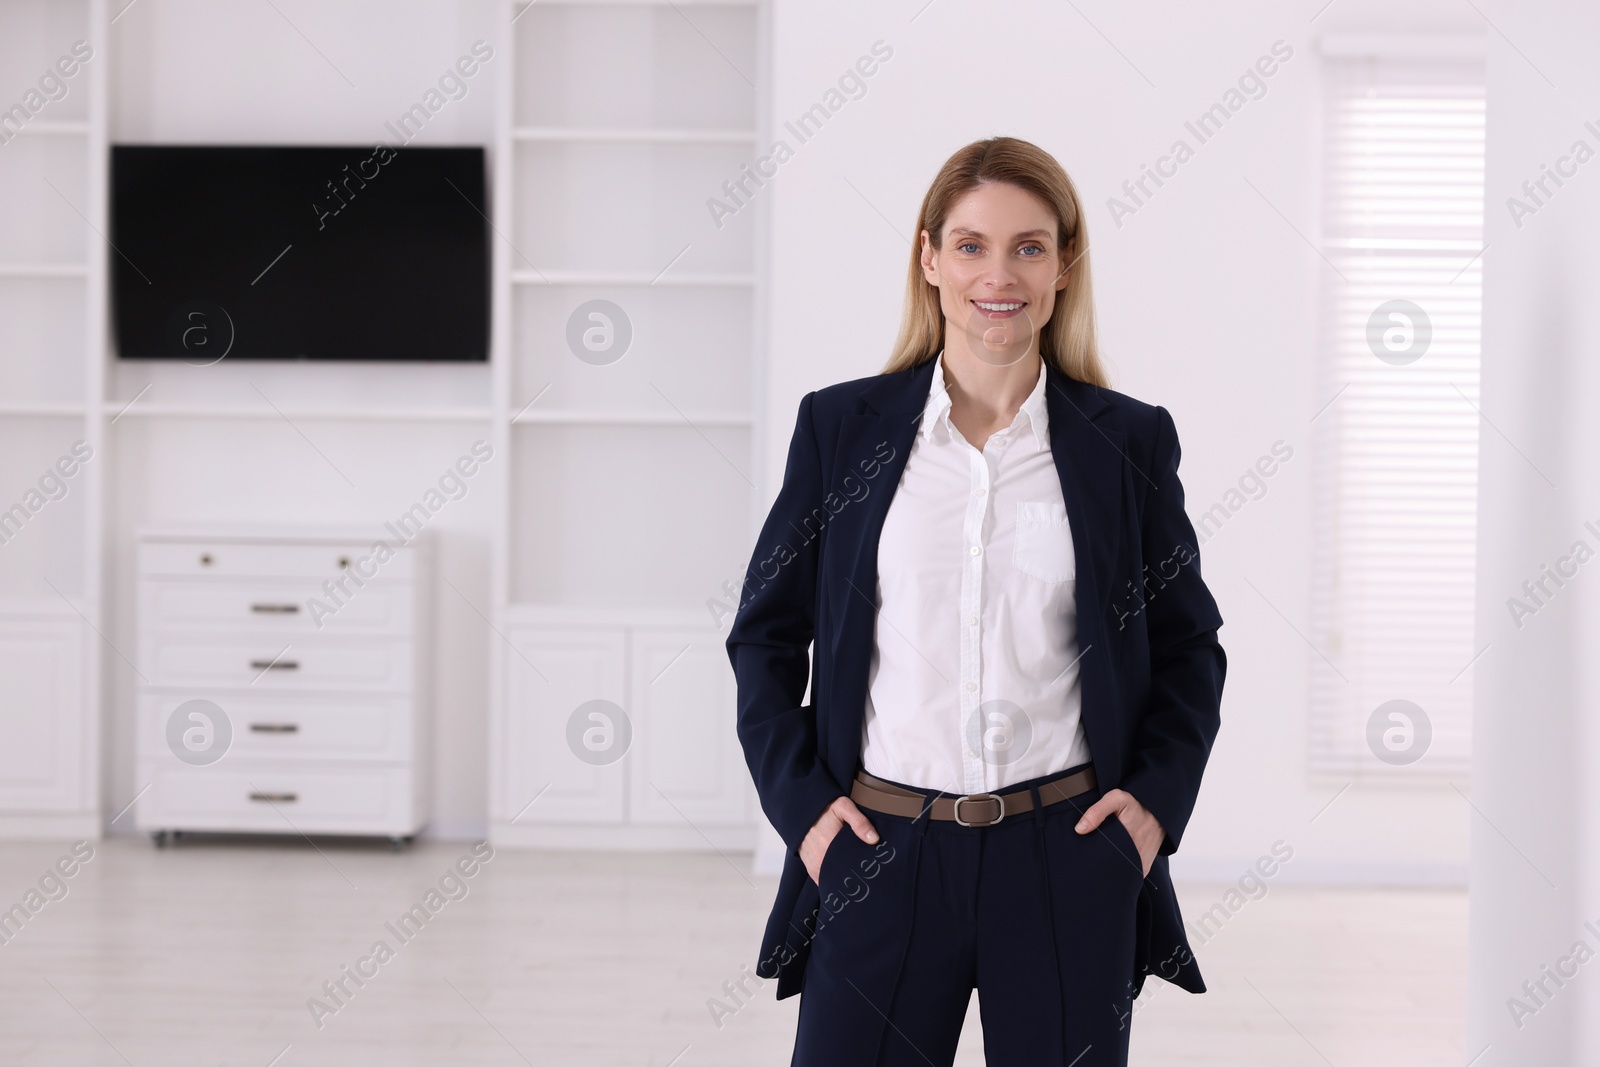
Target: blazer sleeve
769	647
1187	663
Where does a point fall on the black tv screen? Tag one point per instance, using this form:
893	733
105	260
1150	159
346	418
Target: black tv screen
324	253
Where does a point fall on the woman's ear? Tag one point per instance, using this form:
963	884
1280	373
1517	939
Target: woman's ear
929	259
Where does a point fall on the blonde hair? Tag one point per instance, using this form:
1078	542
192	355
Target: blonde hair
1067	341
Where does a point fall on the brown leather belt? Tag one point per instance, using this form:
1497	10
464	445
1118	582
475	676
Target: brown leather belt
974	809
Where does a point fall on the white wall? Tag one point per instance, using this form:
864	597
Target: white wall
1207	302
241	72
1536	841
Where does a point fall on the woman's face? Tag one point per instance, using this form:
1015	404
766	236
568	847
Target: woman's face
998	271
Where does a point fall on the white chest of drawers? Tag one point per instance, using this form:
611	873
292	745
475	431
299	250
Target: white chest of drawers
283	681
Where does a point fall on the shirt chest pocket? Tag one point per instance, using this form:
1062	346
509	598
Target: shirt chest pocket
1043	544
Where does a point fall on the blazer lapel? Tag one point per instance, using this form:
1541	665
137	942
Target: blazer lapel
872	450
1089	460
1091	464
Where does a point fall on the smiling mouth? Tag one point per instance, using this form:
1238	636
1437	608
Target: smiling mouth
1000	309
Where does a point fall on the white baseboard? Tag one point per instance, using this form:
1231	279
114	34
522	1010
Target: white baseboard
437	830
46	826
735	839
740	839
455	830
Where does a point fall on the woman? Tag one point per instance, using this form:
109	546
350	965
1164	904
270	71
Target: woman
1016	676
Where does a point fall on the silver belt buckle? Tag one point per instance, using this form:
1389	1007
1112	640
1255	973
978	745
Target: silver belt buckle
1000	808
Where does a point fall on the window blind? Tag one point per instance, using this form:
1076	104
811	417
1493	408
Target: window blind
1396	445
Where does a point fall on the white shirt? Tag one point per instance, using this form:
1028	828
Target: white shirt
974	681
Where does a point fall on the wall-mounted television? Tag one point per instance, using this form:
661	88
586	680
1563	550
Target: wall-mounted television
308	253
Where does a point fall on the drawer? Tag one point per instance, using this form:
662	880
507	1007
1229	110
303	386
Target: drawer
235	560
267	664
288	607
271	799
267	727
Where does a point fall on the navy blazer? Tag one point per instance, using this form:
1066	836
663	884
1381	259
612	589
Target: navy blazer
1151	669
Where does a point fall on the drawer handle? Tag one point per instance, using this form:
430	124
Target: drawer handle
274	665
276	798
275	609
274	727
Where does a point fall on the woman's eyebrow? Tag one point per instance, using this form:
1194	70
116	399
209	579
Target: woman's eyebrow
965	232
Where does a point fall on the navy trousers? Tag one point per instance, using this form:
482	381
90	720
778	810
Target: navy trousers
1036	917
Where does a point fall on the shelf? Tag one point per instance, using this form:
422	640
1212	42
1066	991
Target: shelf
625	515
43	270
643	70
631	209
581	277
240	411
298	533
30	409
546	418
631	418
642	135
14	608
520	8
56	127
673	360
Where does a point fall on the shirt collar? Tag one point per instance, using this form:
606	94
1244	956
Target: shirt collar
937	409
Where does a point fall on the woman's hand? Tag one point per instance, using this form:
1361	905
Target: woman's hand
1143	827
821	834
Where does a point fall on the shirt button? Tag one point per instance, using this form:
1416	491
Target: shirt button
972	620
971	686
975	550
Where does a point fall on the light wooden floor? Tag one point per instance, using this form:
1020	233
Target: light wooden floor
206	954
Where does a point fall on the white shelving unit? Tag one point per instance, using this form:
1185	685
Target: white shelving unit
629	491
624	496
52	373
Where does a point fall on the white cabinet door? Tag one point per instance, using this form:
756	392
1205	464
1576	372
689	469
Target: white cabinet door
687	767
41	716
574	767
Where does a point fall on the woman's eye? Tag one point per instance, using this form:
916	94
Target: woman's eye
1037	248
965	245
